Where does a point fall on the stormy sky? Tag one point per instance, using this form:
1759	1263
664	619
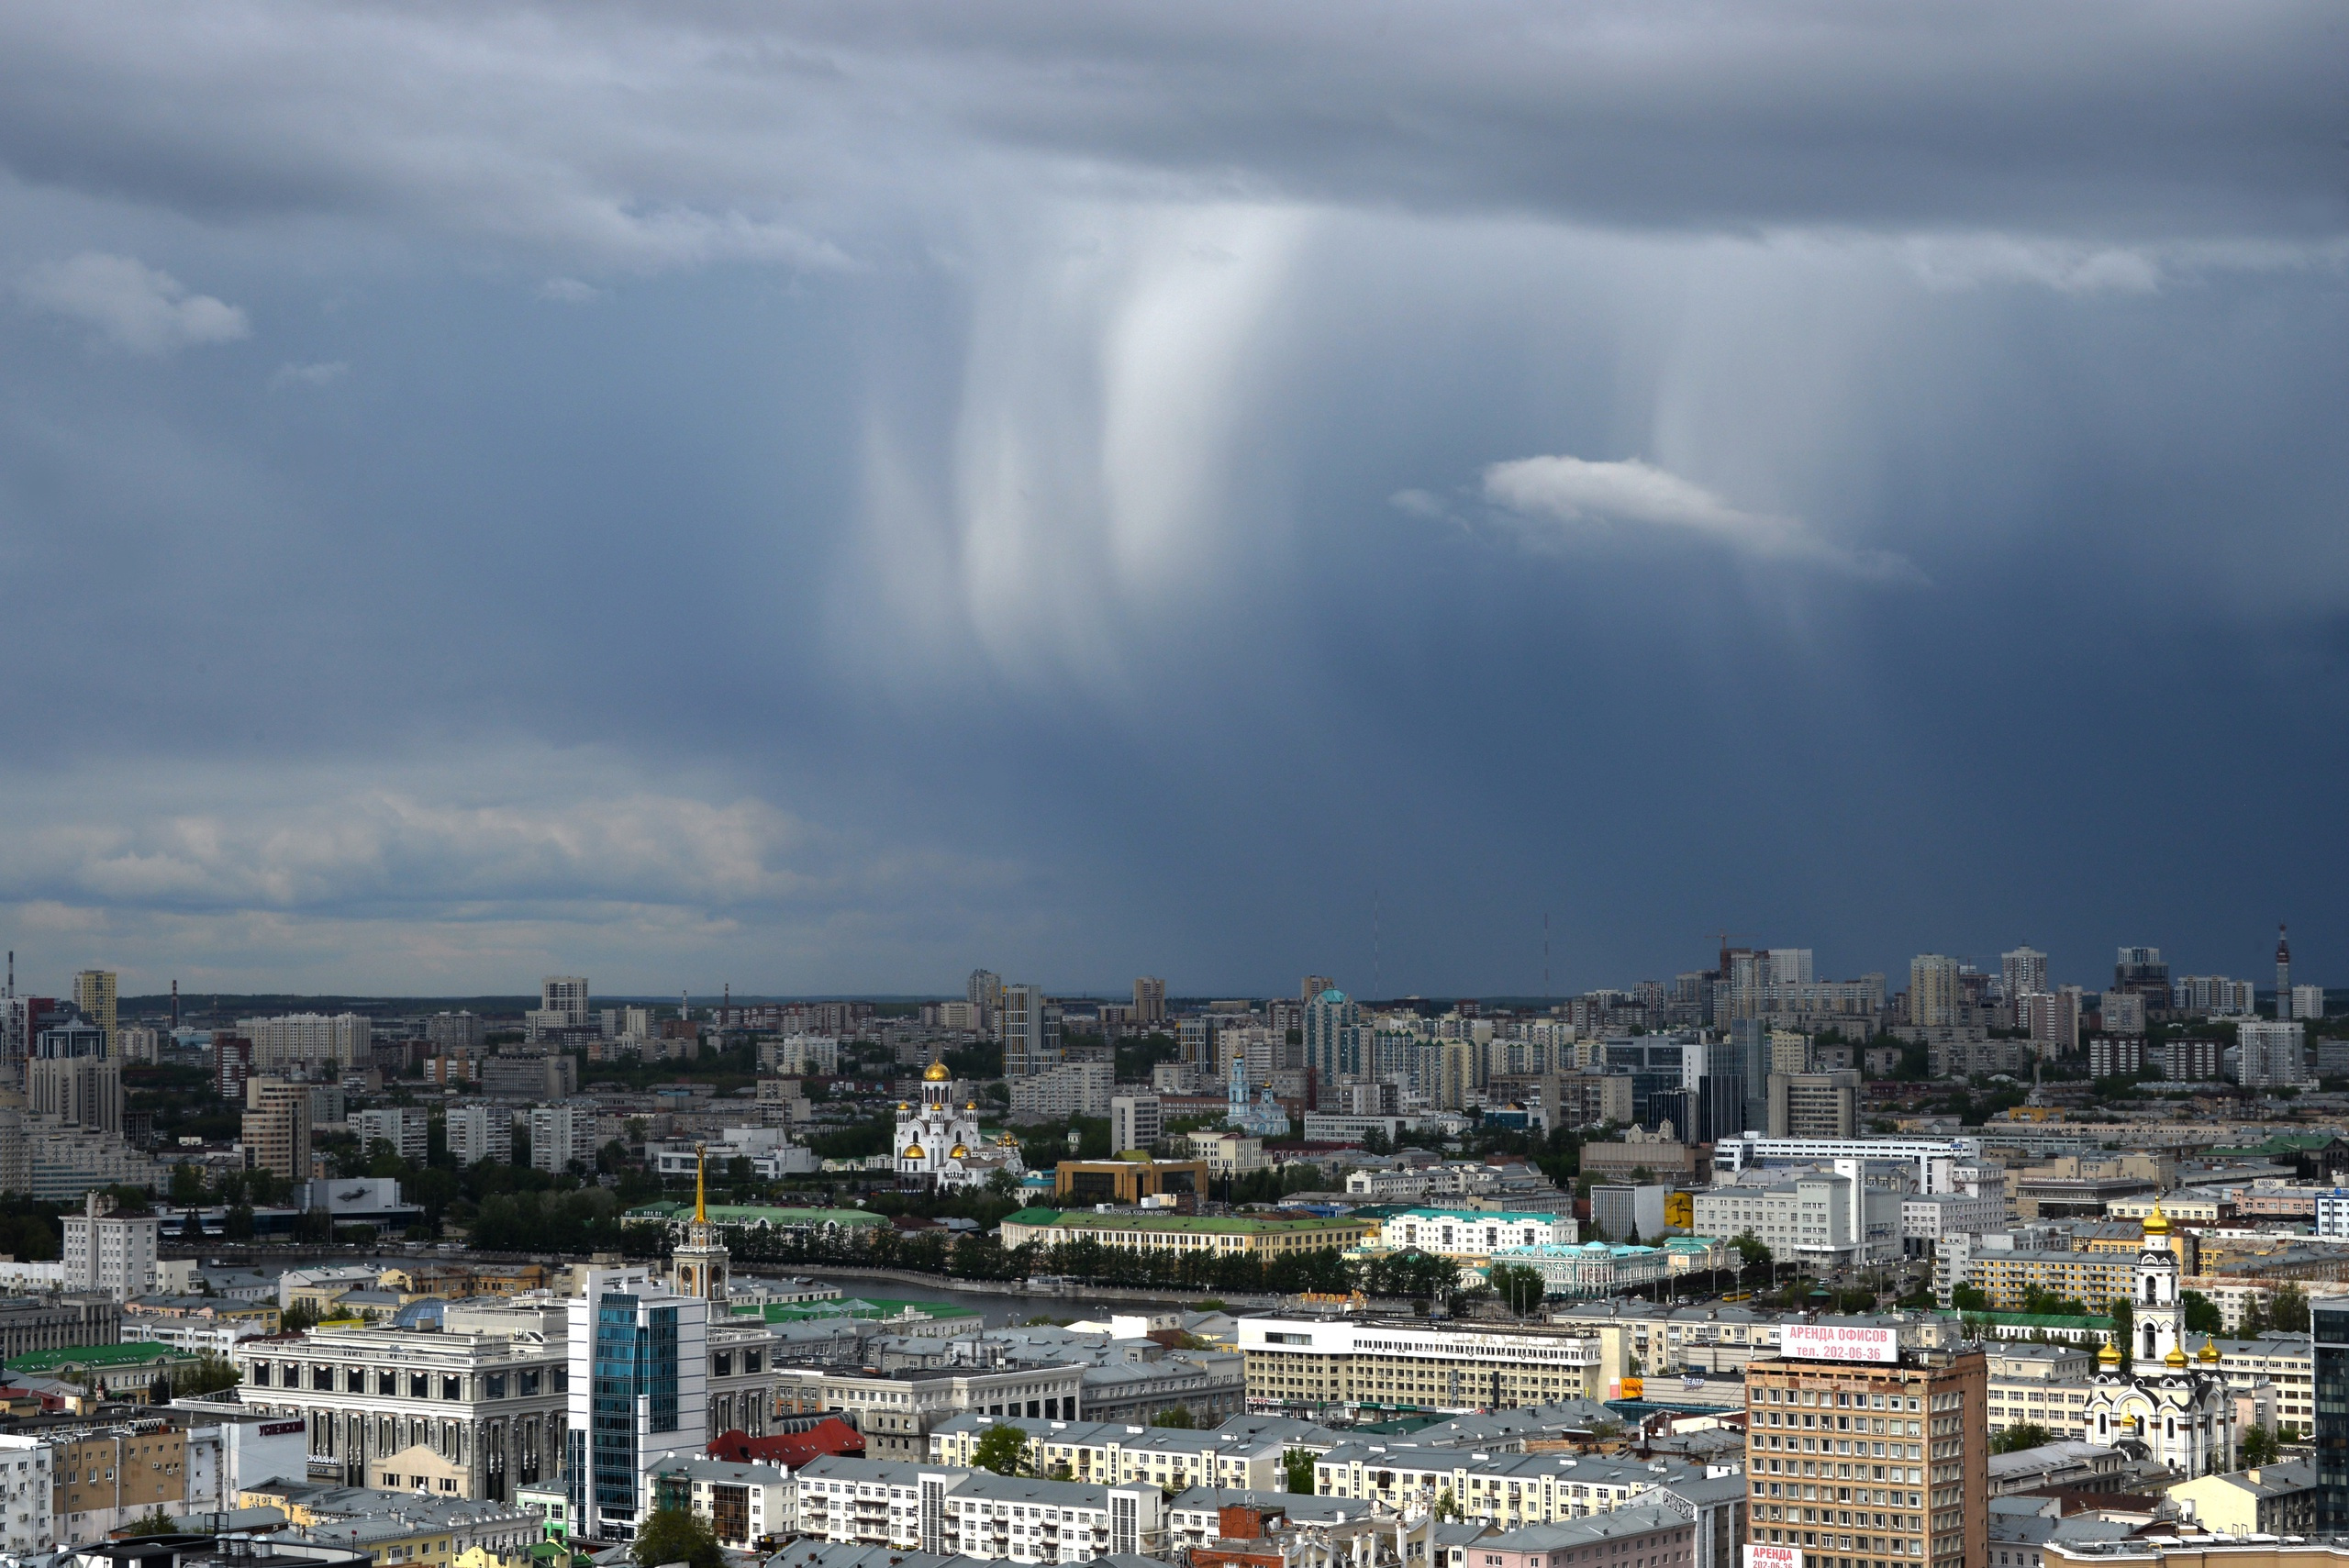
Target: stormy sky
823	496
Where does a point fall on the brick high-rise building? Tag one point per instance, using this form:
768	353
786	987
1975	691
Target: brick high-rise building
1865	1456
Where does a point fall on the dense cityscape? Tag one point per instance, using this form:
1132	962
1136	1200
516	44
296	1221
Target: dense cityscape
902	784
1255	1281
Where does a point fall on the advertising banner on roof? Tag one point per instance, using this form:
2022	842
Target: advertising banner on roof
1839	1342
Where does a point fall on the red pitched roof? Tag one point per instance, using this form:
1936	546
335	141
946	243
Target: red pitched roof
830	1436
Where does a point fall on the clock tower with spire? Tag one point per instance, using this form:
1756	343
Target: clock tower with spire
698	1266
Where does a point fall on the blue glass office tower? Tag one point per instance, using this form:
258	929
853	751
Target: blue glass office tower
2330	1324
637	1394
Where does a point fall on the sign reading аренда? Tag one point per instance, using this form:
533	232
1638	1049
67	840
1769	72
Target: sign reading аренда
1833	1342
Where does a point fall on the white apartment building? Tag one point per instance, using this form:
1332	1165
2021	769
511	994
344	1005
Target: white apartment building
1020	1519
408	1128
2269	1054
801	1056
560	1135
479	1413
1064	1089
481	1133
1114	1452
2307	1001
1474	1234
27	1496
872	1502
1936	1159
1136	1121
739	1501
1229	1153
112	1253
1926	1219
1828	1217
307	1039
975	1513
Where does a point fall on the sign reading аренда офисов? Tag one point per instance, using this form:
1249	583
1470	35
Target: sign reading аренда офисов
1835	1342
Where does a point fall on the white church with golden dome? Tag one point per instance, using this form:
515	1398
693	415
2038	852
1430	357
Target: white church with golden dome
2157	1400
941	1146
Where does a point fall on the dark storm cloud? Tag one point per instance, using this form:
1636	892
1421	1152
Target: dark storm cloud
825	496
649	134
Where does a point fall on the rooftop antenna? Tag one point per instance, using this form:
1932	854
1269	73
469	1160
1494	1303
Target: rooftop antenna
1546	992
1377	980
12	973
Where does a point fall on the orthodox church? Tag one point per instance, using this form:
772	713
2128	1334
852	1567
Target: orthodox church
2157	1401
939	1146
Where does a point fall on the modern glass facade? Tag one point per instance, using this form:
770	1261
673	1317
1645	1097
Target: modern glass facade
637	1393
2331	1332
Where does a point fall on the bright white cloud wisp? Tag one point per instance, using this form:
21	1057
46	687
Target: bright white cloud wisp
1541	492
130	305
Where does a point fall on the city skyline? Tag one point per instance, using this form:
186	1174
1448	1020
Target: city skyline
1202	492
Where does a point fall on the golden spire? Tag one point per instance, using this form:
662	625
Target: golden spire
701	1202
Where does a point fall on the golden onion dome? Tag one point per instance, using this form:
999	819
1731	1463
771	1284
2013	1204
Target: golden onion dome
903	1106
937	1074
959	1151
913	1151
2110	1355
1007	1140
2209	1354
2156	1223
970	1105
2175	1359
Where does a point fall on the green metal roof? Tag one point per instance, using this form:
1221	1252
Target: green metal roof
1072	1219
756	1214
853	1306
2041	1321
136	1352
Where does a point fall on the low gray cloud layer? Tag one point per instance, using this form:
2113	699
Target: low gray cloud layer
823	496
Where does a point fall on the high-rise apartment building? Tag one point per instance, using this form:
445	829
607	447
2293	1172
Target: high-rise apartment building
1150	1001
560	1135
1313	985
1861	1455
2024	972
2283	975
984	991
1030	1029
2143	970
1932	990
1815	1105
453	1032
2308	1002
137	1045
276	1129
2121	1012
408	1128
109	1252
638	1364
93	995
481	1133
565	994
2269	1054
1136	1121
232	1064
1334	1039
79	1090
310	1043
2051	1018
